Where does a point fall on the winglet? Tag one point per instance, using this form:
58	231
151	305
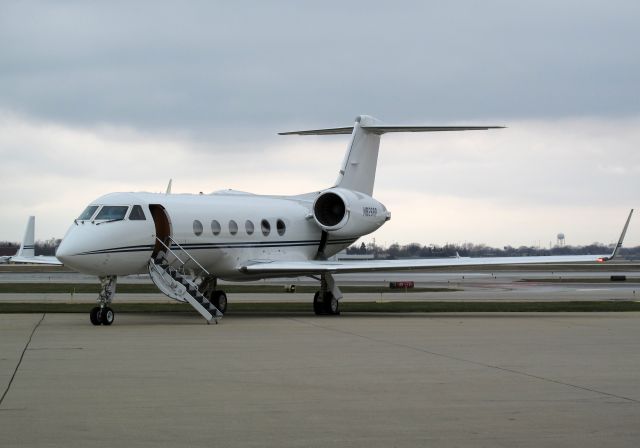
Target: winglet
620	240
169	187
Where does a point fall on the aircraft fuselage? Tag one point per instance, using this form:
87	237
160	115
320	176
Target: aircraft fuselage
219	230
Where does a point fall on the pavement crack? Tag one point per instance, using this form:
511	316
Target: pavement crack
477	363
24	350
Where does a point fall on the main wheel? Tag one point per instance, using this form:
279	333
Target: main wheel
331	305
318	305
107	316
94	315
219	300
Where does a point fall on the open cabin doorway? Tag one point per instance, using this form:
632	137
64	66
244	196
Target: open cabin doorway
163	227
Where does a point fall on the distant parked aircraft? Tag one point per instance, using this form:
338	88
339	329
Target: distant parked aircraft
26	253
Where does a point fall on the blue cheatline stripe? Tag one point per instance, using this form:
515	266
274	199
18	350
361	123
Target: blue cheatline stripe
240	245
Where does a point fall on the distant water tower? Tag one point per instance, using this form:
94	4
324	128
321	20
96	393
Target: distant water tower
560	242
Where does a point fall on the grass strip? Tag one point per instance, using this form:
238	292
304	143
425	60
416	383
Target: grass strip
347	307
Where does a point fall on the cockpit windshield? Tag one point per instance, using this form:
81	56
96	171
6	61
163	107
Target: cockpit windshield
88	213
137	214
112	212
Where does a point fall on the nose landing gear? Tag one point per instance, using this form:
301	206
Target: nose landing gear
103	314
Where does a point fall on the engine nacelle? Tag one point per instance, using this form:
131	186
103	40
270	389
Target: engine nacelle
348	213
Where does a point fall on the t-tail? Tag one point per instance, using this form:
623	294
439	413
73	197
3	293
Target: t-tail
358	169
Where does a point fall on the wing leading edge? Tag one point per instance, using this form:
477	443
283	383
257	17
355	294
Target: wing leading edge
309	267
341	267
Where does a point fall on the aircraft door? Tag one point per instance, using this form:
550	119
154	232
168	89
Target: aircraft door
163	226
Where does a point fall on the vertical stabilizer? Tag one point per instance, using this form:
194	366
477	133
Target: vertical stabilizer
28	242
358	170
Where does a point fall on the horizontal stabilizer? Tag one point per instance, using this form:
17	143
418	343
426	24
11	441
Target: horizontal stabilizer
386	129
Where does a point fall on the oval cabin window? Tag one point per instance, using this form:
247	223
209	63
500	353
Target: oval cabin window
197	227
266	227
215	227
233	227
281	227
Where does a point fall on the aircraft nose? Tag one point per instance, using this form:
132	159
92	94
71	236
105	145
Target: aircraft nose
69	249
64	253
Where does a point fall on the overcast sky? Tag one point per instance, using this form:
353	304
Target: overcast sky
121	96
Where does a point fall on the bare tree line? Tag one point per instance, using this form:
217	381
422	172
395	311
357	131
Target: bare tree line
416	250
413	250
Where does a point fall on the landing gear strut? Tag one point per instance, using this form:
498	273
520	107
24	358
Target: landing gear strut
103	314
216	296
327	300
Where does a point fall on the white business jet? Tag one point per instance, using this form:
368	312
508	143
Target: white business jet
26	252
187	242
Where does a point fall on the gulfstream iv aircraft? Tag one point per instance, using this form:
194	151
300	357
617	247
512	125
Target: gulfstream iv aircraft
187	242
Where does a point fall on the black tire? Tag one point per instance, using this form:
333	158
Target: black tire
331	305
107	316
219	300
318	304
94	315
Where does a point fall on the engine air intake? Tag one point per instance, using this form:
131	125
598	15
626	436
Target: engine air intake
329	209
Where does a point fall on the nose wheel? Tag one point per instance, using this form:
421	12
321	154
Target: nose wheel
102	316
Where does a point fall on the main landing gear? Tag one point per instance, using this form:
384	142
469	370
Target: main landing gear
327	300
325	304
216	296
103	314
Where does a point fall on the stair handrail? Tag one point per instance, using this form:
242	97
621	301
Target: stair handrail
188	255
169	249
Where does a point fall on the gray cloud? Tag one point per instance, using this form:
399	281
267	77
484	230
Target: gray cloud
229	68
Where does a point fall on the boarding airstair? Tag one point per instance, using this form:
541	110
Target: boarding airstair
174	283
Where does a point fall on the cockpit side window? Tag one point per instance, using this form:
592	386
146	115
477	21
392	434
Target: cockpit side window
88	213
137	214
112	212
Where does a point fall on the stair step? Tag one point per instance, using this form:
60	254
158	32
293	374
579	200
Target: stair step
162	276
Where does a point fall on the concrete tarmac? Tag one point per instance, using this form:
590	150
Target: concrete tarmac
526	380
483	291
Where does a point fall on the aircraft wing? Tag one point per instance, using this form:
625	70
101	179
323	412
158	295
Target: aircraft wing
339	267
310	267
41	259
